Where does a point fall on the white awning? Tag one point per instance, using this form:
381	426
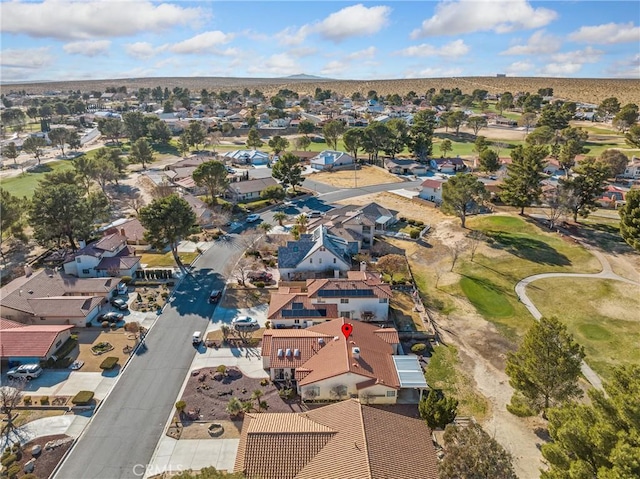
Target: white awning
409	372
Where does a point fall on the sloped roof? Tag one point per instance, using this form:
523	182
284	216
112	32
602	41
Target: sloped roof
252	186
348	287
356	442
295	252
132	229
34	341
285	301
435	184
118	262
110	242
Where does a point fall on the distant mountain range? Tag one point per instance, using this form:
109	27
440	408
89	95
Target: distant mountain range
304	76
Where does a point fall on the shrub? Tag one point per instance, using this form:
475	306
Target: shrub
27	399
83	397
414	234
518	407
8	460
403	219
411	222
105	324
13	471
418	348
109	363
44	400
264	382
419	223
259	284
180	405
287	393
222	369
267	325
126	279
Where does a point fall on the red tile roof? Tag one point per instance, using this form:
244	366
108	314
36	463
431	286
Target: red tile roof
435	184
33	341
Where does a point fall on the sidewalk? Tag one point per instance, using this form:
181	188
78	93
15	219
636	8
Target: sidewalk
69	424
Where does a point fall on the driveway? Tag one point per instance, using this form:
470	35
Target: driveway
69	424
225	315
62	382
248	360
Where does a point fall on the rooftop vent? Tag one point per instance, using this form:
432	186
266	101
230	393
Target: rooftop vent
321	341
335	338
355	352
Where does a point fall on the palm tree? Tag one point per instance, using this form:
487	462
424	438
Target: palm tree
302	221
257	394
263	405
265	227
234	407
280	216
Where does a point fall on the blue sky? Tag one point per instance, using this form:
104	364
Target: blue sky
97	39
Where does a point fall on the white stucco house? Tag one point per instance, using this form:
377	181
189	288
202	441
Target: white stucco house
253	157
329	159
431	190
109	256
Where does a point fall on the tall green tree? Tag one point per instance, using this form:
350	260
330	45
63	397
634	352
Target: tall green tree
615	160
398	136
332	132
302	142
112	128
135	125
168	221
10	151
481	144
288	170
141	152
183	144
489	161
505	102
34	145
546	367
542	135
353	140
608	107
196	133
253	139
630	219
460	193
477	123
159	132
421	134
572	143
59	137
445	147
12	211
626	117
213	176
437	409
278	144
456	119
586	187
472	454
601	439
632	137
13	117
555	115
522	186
376	136
306	127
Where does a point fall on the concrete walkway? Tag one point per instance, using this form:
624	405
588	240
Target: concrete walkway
69	424
606	273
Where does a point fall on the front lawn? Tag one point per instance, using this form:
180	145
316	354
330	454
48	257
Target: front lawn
601	314
165	260
24	184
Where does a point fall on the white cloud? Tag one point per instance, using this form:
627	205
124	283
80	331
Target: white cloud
627	68
140	50
24	63
500	16
353	21
278	64
207	42
292	36
568	63
434	72
453	49
367	53
334	67
302	52
93	19
89	48
517	68
538	44
560	69
607	34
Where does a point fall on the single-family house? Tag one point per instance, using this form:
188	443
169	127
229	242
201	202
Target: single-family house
325	365
250	190
612	197
315	253
347	439
447	165
108	256
399	166
361	295
431	190
204	216
50	297
632	171
31	343
329	159
356	223
248	157
132	230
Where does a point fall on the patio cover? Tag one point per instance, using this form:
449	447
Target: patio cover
409	372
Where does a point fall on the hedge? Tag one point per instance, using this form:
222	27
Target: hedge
83	397
418	348
256	205
109	363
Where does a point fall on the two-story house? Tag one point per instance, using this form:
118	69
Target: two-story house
314	253
431	190
109	256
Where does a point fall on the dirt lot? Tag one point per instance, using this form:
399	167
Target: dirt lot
237	297
211	396
27	415
118	338
402	311
365	176
199	430
48	459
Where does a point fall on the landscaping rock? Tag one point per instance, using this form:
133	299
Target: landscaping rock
29	466
218	376
195	373
36	450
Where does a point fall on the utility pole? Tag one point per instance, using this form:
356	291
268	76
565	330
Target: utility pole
355	173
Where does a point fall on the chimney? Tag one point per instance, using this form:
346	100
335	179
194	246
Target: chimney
363	266
27	270
82	243
355	352
122	232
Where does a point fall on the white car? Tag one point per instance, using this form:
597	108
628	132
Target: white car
25	371
253	218
244	322
122	288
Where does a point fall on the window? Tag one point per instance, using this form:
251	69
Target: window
320	260
310	260
344	300
366	229
85	271
296	321
383	300
345	314
334	261
391	394
78	260
58	343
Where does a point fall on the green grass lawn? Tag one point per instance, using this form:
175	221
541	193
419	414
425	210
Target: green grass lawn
515	249
157	260
602	315
24	184
444	372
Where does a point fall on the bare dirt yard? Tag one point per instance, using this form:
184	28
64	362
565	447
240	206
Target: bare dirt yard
118	338
48	459
348	178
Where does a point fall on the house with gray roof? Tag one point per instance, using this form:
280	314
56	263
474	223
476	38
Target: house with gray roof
50	297
329	159
250	190
248	157
315	254
109	256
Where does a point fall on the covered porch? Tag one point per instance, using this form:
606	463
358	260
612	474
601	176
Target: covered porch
412	381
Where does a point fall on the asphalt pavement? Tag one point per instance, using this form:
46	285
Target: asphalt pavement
120	439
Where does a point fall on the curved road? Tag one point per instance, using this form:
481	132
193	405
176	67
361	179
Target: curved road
606	273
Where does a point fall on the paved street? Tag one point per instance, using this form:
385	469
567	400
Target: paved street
124	432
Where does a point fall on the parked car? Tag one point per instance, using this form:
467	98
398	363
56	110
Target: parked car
119	304
245	322
111	317
263	276
253	218
313	214
215	296
197	337
122	288
25	371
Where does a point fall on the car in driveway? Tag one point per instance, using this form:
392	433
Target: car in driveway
111	317
25	371
122	289
263	276
253	218
244	323
119	303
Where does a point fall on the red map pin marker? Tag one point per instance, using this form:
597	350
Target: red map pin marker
346	330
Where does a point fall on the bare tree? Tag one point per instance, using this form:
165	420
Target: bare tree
162	190
243	268
134	201
454	251
475	238
438	272
499	146
558	201
10	397
339	391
